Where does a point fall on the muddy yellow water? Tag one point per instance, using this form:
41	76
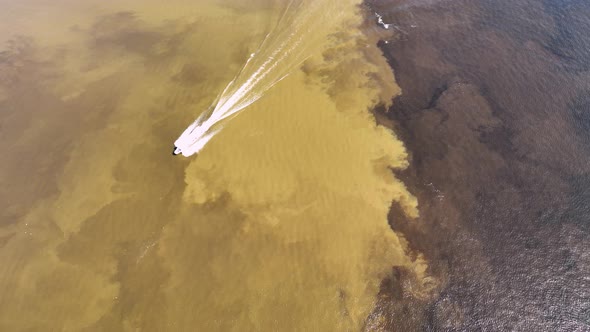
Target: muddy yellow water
279	224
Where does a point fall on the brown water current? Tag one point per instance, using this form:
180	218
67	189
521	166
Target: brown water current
279	224
495	113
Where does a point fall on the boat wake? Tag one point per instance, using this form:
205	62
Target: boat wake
285	47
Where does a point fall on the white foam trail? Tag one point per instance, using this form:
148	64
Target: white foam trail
281	51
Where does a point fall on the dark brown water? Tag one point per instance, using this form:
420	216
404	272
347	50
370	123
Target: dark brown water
495	111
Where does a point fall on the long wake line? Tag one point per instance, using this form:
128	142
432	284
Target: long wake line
284	48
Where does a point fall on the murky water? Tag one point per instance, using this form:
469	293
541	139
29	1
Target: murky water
280	223
495	113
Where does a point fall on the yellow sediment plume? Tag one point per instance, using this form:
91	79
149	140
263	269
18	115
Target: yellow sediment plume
279	224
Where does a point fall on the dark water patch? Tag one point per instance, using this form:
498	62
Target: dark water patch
5	238
124	30
40	127
493	112
190	75
579	109
571	41
125	33
578	209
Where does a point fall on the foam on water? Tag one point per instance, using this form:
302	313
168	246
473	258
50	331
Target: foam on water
281	51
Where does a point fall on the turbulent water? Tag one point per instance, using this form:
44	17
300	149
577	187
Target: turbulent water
280	223
296	34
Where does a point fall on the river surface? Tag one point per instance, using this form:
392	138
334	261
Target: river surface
460	203
495	114
279	223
